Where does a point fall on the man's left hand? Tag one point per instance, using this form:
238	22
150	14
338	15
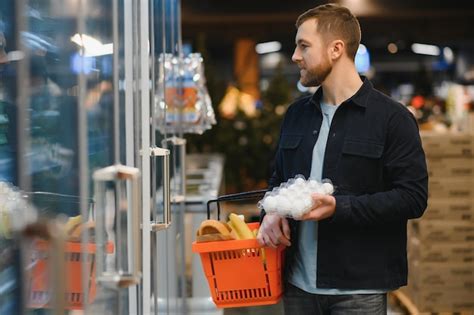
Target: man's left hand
324	207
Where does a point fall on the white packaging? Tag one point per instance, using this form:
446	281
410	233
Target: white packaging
294	197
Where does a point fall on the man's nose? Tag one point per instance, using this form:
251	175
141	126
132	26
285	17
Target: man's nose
296	56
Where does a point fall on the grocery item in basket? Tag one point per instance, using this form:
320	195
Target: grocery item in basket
72	223
213	230
258	277
238	225
293	198
75	235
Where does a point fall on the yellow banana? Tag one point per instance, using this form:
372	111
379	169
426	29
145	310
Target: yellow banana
72	223
255	232
233	231
239	226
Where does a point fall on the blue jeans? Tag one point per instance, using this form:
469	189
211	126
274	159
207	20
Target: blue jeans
299	302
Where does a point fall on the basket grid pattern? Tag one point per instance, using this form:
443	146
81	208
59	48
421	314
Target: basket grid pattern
235	254
42	297
241	272
237	295
246	294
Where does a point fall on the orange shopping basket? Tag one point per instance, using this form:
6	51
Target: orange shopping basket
237	271
39	295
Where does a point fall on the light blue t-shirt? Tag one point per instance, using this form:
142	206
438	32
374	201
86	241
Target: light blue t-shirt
303	271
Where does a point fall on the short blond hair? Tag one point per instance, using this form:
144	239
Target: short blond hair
335	22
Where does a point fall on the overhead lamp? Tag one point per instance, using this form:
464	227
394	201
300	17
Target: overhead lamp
362	49
362	59
448	55
392	48
92	46
268	47
424	49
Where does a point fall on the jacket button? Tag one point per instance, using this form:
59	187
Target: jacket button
315	132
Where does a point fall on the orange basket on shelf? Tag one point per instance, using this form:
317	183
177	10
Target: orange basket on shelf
39	291
237	273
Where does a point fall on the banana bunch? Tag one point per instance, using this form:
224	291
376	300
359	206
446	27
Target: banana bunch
234	229
240	229
72	223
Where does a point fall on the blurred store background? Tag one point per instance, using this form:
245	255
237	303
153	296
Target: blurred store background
189	96
419	52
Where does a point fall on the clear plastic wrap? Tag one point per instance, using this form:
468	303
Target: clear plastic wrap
293	198
184	105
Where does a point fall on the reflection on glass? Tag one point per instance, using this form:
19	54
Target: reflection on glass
8	168
42	38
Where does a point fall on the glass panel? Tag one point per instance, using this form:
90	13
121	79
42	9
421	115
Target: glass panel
57	83
105	100
39	147
8	142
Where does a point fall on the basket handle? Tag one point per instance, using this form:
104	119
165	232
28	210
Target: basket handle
233	197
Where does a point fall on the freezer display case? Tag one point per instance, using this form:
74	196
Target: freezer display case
80	143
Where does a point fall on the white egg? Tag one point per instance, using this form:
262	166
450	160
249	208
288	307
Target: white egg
284	192
278	200
284	204
297	205
293	188
299	181
328	188
269	204
307	202
313	185
298	214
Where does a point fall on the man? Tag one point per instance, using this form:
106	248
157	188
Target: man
350	249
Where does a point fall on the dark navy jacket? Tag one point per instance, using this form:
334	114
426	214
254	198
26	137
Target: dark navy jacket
375	160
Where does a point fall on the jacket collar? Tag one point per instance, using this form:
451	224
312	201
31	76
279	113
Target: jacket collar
359	98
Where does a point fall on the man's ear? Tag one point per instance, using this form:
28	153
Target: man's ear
337	49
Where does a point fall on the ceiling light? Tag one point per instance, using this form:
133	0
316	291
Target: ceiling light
392	48
268	47
424	49
362	49
448	55
92	46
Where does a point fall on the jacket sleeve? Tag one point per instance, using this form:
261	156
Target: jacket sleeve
404	171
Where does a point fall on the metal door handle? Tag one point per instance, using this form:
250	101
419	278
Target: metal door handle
165	154
179	150
126	274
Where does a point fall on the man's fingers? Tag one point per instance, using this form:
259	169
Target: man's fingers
283	240
275	238
286	228
269	242
320	199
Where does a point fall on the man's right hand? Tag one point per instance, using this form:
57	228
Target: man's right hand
274	231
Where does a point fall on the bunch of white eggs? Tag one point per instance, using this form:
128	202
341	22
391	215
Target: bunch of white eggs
293	198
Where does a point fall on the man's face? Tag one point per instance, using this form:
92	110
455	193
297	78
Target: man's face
311	55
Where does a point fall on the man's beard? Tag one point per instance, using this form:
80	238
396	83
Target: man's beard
316	76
